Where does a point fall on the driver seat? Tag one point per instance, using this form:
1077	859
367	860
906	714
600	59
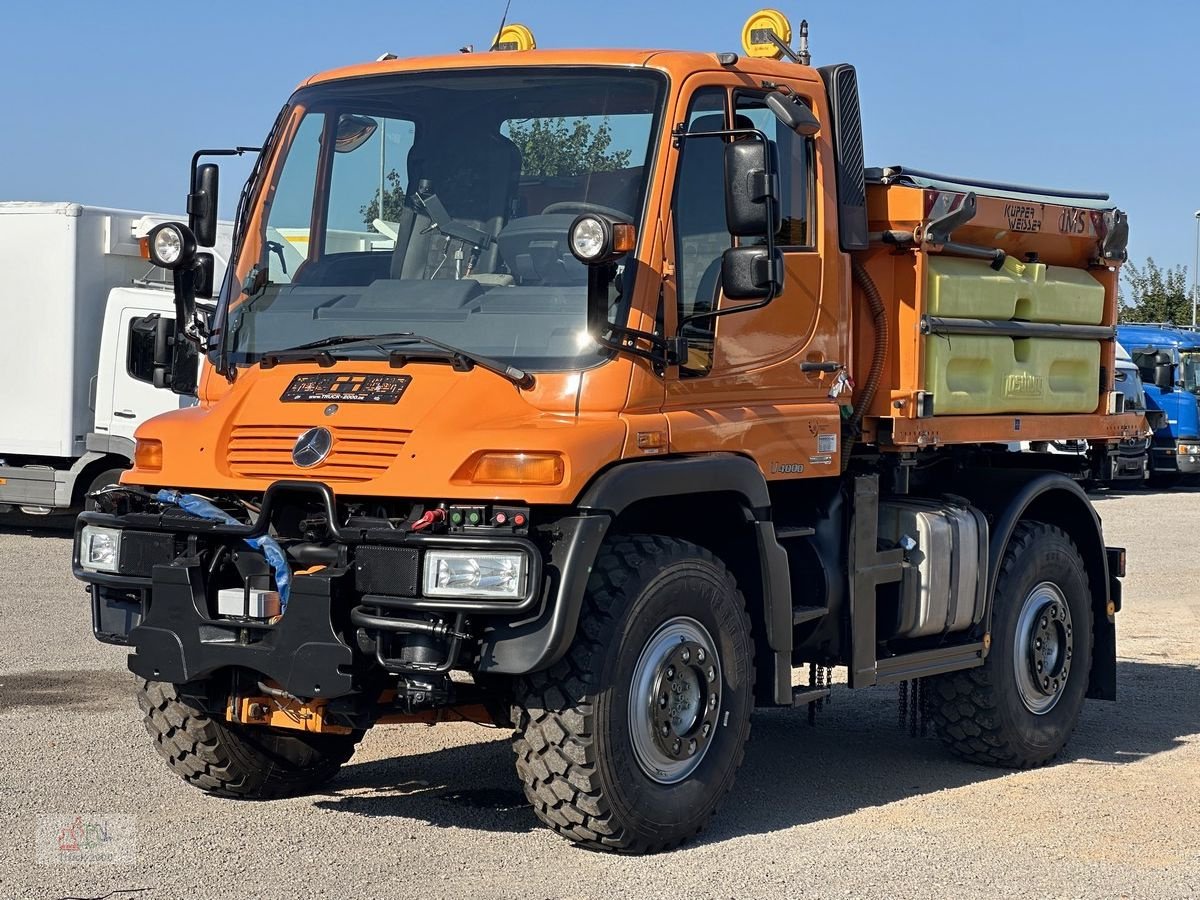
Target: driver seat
476	176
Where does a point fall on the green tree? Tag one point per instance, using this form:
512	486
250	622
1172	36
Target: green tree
393	201
554	147
1154	294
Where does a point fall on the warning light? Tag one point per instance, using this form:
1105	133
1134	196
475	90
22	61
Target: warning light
757	32
518	520
514	37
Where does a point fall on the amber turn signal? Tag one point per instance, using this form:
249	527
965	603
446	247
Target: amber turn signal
148	454
513	468
624	236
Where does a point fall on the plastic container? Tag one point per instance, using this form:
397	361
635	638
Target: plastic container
1032	292
971	374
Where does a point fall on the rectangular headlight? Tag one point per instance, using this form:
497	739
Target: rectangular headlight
1189	449
475	573
100	548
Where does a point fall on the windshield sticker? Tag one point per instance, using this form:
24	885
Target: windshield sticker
322	387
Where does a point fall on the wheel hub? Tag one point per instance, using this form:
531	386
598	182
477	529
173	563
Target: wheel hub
675	700
1043	649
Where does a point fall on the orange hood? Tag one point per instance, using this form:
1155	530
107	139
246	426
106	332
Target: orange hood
243	440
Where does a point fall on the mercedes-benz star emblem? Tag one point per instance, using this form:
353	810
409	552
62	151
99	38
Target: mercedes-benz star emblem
312	447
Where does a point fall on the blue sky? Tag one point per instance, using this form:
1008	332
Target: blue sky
104	102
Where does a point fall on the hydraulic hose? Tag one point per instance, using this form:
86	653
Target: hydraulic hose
863	279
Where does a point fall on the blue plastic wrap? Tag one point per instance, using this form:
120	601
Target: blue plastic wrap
270	548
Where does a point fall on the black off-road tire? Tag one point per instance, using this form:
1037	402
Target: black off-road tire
979	713
574	744
247	762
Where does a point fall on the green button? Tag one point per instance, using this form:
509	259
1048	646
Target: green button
473	518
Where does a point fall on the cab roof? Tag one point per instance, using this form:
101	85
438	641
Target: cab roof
674	62
1136	336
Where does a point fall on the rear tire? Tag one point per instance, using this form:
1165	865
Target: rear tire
1020	707
633	739
240	761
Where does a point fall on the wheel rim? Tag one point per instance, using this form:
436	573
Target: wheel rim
1042	653
675	700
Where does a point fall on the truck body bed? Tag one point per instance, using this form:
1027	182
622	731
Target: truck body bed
984	346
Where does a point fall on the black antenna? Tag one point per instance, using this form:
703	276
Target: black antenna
503	22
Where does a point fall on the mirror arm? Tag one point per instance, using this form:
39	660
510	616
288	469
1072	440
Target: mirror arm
187	322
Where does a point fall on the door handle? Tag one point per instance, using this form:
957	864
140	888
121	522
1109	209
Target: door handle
125	413
829	366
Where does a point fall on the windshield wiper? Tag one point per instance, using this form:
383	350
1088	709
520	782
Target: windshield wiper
319	351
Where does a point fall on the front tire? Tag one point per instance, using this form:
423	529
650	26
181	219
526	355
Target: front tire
249	762
1021	706
633	739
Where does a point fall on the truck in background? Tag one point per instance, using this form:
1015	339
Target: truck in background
1169	361
75	279
1115	463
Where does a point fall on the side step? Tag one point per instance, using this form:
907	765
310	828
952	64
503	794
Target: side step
801	614
929	662
787	532
802	696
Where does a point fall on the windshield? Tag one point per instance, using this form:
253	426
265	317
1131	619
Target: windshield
1189	370
439	203
1129	382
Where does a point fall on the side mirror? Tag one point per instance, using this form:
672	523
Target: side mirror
751	273
1164	376
202	204
158	355
752	206
203	276
792	112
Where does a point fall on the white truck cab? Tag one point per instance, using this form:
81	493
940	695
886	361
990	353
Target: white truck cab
74	277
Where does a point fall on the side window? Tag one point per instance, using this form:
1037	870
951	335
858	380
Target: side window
290	219
366	189
797	172
701	236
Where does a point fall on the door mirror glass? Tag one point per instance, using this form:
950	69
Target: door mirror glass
202	204
751	188
158	357
203	276
751	273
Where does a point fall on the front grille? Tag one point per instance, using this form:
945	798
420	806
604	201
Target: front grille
358	454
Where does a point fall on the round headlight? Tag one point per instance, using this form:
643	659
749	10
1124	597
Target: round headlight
589	238
171	245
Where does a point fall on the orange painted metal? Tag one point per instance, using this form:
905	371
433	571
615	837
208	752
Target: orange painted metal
275	712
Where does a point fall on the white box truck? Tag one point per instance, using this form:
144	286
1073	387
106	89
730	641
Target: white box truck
72	278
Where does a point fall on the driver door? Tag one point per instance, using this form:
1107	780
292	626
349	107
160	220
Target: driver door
744	387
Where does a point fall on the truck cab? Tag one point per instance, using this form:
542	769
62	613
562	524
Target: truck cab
1169	362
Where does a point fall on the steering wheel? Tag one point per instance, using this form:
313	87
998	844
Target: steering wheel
579	207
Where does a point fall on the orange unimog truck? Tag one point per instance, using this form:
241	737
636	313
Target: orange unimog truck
606	395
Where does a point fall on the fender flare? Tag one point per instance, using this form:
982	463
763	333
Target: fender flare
539	645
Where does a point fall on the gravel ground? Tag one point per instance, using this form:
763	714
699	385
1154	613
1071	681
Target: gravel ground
851	808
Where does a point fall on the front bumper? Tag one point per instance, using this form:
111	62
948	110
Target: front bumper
1169	459
161	603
